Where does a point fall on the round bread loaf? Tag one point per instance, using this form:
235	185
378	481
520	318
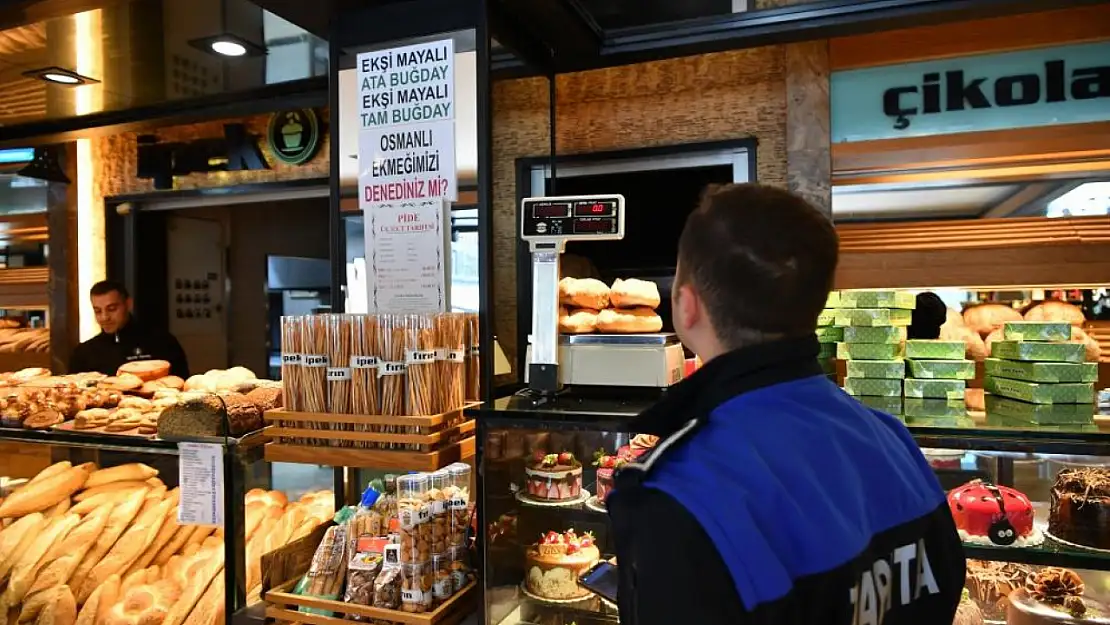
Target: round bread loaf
986	318
145	370
629	321
1094	351
633	293
976	349
578	321
587	293
266	397
1053	310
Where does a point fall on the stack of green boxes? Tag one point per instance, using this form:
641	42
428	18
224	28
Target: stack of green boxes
874	332
829	334
1035	375
937	381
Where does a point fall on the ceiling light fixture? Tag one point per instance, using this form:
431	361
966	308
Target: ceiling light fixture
228	45
60	76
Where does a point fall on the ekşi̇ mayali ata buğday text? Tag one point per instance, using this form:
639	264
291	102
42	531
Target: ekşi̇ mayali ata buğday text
406	86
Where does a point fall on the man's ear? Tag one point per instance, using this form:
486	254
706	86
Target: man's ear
687	306
130	304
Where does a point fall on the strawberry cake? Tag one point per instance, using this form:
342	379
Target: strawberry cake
553	477
556	561
992	515
606	468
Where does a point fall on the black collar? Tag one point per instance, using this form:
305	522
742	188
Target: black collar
727	376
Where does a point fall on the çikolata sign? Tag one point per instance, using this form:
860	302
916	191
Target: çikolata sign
1062	85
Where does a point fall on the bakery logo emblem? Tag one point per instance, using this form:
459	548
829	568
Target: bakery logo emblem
293	137
237	150
958	91
137	354
903	577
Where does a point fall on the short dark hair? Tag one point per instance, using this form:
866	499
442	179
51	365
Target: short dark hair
761	258
105	287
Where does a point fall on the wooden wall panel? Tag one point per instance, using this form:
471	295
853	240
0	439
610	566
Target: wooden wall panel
728	95
808	125
998	34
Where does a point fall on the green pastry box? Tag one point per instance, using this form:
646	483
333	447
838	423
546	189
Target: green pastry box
1040	414
830	334
942	369
935	350
878	299
834	300
939	422
874	334
826	318
1048	331
1038	352
996	420
873	317
883	369
889	405
826	351
1041	392
873	386
868	351
935	389
1042	371
913	407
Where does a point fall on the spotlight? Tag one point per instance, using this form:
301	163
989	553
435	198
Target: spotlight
228	45
60	76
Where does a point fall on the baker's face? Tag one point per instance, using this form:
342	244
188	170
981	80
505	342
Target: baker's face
111	310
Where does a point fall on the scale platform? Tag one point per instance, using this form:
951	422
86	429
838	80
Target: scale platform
635	360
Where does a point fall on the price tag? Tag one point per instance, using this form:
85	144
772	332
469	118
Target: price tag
392	554
315	360
443	589
456	355
415	357
200	469
412	596
338	374
441	353
439	508
364	362
292	359
390	368
458	503
409	518
424	515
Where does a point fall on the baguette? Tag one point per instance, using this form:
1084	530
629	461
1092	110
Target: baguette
142	577
59	509
97	501
34	603
169	529
130	546
95	610
46	493
180	537
121	517
114	487
134	472
15	539
51	471
24	571
72	550
193	593
62	612
210	609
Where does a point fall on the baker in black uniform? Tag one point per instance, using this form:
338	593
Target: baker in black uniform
122	338
773	497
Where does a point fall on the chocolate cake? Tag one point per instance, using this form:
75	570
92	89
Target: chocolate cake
1080	512
1054	596
553	477
990	583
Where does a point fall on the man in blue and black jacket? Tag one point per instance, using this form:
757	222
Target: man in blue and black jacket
772	496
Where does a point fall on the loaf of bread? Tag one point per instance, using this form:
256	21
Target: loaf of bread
578	321
45	494
62	612
134	472
95	610
58	571
1053	310
266	397
628	321
145	370
586	293
27	566
118	522
633	293
131	544
210	609
1094	351
986	318
15	539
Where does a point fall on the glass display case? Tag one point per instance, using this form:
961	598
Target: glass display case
544	463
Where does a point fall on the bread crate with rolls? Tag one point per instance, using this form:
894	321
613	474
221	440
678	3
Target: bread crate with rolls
383	391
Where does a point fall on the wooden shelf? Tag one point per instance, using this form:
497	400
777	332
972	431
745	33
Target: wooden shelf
282	606
371	458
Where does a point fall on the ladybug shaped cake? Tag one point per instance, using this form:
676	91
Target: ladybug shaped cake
987	514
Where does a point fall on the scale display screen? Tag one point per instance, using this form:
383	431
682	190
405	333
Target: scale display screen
592	226
554	210
595	209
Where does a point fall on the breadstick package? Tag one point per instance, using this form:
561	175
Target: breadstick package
328	570
392	339
339	364
451	360
473	364
314	342
365	399
421	389
291	362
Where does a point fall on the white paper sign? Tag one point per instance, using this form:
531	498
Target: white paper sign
407	163
407	85
201	472
404	257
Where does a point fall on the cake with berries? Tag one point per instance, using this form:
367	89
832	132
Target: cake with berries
1080	509
553	477
998	516
555	563
607	466
1054	596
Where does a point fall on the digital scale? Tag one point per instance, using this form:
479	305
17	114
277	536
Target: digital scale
637	360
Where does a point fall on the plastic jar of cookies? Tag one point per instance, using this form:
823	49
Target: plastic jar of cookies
442	584
459	566
458	503
416	587
440	486
414	516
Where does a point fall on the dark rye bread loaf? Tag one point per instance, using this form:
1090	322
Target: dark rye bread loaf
202	414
